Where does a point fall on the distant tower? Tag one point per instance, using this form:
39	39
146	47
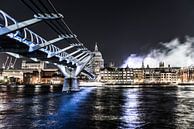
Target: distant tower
112	64
142	66
96	47
161	65
98	61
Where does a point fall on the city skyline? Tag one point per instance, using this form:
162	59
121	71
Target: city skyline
133	27
96	64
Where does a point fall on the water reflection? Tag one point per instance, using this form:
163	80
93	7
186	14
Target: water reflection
63	112
106	108
51	88
130	116
185	108
96	108
157	107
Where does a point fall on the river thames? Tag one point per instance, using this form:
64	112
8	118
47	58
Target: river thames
43	107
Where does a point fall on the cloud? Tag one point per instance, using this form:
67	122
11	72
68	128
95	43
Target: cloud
175	53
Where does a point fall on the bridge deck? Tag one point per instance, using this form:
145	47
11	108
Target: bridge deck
11	45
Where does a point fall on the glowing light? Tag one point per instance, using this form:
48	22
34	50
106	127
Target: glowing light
168	54
69	105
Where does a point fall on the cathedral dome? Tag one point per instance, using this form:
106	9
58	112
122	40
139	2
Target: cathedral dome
97	54
98	61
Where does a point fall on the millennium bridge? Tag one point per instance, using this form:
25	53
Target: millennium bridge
18	40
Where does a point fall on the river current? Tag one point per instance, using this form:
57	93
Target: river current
46	107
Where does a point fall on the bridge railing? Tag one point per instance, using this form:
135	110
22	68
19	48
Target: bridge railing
19	31
30	38
6	20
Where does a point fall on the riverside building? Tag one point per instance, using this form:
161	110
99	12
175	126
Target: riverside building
33	65
160	75
38	73
164	75
113	75
187	74
143	75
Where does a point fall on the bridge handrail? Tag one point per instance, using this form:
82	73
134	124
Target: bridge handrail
6	17
34	38
39	40
28	37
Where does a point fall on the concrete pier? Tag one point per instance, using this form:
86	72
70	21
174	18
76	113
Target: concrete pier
70	84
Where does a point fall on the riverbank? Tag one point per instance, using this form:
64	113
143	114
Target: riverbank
98	84
141	85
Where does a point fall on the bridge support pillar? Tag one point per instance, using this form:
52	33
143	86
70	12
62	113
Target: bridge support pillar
70	84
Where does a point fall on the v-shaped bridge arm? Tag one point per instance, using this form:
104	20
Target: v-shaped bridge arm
10	25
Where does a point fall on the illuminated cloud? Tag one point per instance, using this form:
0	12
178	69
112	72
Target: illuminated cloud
175	53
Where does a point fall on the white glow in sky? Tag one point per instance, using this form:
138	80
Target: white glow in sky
175	53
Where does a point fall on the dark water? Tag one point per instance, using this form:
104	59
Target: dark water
97	108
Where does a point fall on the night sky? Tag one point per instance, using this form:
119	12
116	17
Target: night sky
120	27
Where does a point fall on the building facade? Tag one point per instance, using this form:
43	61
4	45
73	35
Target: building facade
187	74
160	75
33	65
138	75
46	76
113	75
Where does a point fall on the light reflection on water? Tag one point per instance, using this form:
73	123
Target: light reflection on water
96	108
185	108
130	114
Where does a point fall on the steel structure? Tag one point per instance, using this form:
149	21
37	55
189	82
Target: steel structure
18	40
